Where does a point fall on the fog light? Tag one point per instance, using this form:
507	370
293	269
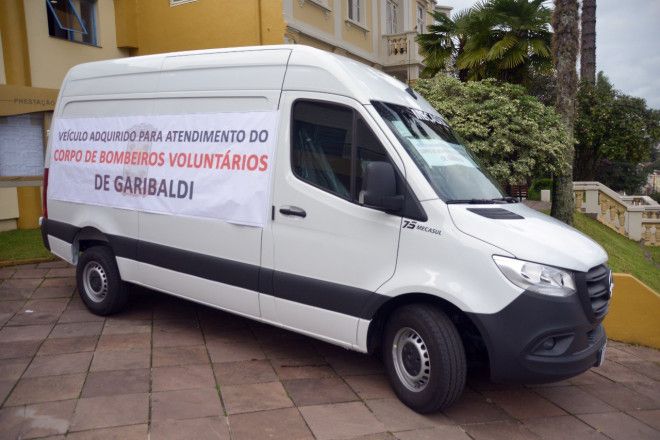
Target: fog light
548	344
557	345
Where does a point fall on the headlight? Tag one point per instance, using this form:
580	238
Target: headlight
546	280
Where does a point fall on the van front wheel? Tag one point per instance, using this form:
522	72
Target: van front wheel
424	357
99	284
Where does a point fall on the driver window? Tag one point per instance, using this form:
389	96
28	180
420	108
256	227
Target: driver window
368	149
321	142
331	147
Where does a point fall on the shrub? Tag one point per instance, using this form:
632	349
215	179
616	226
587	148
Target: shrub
537	185
514	135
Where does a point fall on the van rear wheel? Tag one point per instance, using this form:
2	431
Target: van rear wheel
99	284
424	357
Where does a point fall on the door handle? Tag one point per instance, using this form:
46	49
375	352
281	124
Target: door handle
293	210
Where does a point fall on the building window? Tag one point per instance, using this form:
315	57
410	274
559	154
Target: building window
391	17
355	11
321	138
73	20
421	18
180	2
322	3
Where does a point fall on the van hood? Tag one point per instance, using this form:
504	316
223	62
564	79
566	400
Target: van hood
534	237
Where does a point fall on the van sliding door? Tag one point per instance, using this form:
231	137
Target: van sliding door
205	258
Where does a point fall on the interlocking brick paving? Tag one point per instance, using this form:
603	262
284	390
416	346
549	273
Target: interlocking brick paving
170	369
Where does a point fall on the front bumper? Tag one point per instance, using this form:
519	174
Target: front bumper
539	338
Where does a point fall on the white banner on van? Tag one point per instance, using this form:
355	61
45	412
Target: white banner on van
202	165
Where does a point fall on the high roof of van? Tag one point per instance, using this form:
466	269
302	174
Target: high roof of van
278	67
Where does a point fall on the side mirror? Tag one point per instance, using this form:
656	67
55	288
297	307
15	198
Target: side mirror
379	187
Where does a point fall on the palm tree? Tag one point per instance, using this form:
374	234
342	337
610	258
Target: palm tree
506	39
565	49
442	44
588	42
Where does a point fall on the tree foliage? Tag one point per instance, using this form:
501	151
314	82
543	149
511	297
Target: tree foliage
621	176
442	43
514	135
506	39
614	127
503	39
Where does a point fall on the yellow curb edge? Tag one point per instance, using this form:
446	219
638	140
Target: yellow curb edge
10	263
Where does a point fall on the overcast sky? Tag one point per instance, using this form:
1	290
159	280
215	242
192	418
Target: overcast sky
627	44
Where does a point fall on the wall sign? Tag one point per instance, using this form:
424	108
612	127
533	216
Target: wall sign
202	165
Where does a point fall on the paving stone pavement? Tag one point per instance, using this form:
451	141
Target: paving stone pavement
170	369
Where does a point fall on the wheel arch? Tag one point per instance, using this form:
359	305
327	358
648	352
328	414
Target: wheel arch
470	334
87	237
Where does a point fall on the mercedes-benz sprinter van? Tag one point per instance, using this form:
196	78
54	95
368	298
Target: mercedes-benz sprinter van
306	190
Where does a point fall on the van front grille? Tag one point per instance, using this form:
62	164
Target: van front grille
598	281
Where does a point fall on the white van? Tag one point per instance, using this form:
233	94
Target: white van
309	191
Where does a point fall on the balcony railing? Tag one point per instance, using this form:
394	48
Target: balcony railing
401	49
636	217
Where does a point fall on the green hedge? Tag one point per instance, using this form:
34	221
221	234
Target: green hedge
534	192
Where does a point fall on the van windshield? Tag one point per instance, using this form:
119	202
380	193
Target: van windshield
451	170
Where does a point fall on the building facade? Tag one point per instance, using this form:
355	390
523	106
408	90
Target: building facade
43	39
156	26
380	33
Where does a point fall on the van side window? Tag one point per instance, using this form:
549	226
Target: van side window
321	139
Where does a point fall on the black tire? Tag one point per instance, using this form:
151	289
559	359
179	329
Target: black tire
443	378
104	293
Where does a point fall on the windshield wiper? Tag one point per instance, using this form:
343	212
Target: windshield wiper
496	200
471	202
507	199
